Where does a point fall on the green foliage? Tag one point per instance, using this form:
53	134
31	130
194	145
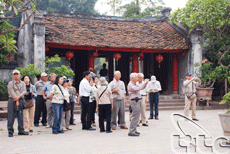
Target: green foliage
63	70
210	74
30	70
68	6
133	9
226	100
210	13
7	42
2	87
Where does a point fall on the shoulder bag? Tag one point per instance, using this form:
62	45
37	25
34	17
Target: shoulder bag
24	104
66	106
193	95
103	92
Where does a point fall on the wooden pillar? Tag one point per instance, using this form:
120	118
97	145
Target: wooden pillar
91	61
110	67
135	67
175	74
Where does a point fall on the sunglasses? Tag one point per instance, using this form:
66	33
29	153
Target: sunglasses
15	74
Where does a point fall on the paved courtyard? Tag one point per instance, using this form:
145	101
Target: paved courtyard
157	138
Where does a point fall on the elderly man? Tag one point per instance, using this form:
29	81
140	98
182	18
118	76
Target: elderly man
40	105
119	99
46	93
153	89
144	100
135	97
16	90
190	95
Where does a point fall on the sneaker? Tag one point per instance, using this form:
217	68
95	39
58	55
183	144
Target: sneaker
64	129
48	126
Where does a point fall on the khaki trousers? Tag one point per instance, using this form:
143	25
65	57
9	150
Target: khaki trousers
28	118
189	103
65	119
143	109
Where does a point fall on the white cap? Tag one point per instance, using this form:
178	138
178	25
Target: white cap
44	74
153	79
15	71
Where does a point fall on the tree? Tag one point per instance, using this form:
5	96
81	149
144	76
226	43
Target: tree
213	17
134	8
68	6
8	10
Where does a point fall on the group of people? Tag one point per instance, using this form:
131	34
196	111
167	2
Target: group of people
46	97
95	94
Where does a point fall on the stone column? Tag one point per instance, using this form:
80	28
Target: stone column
39	41
25	41
175	74
135	67
196	51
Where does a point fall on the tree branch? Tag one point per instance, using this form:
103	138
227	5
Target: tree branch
222	56
20	11
17	29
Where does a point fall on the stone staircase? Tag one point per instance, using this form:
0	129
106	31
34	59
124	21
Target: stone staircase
167	102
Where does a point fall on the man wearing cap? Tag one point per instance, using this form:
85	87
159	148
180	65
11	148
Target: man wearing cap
16	91
40	105
153	89
136	99
119	99
190	94
46	92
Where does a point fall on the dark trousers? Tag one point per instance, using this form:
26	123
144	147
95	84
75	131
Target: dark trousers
85	113
12	114
72	113
154	103
58	111
40	106
93	111
105	113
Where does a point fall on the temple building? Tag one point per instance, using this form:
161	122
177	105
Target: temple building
127	44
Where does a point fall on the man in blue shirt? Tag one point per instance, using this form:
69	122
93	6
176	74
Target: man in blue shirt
46	93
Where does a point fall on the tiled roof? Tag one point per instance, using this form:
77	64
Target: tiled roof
109	33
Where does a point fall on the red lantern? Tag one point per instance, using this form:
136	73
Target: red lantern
141	55
117	56
96	54
184	54
69	55
159	58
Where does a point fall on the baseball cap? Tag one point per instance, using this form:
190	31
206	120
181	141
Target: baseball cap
44	74
15	71
188	74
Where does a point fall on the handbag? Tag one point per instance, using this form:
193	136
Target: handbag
66	106
30	103
24	104
193	95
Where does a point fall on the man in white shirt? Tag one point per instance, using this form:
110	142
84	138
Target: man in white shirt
84	91
119	99
153	89
144	100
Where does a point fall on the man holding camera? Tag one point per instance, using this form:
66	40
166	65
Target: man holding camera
16	90
136	99
190	94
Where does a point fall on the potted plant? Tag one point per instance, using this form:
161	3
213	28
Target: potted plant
225	116
210	75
